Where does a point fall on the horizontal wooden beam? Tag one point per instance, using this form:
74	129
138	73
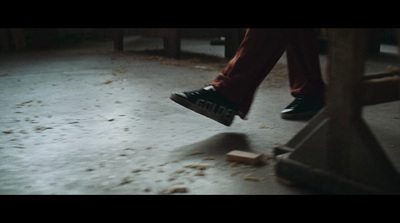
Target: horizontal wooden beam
381	88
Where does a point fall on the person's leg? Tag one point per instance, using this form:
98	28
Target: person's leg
232	91
305	78
256	56
303	64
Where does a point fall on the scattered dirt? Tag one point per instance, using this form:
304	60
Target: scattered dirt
198	167
109	81
176	190
147	189
42	128
118	71
24	103
252	178
125	180
200	173
137	170
196	153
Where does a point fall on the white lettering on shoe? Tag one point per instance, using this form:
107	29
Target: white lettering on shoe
200	103
221	110
209	106
229	114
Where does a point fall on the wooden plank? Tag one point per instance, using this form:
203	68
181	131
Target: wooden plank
381	75
243	157
378	91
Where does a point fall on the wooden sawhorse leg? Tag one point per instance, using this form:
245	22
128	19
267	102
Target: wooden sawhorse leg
336	152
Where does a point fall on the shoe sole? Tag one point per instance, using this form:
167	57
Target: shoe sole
187	104
302	116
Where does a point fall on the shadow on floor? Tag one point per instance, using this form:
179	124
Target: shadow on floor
217	145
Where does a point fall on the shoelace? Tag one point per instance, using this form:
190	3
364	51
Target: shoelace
197	92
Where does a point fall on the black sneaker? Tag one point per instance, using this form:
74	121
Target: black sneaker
209	103
303	107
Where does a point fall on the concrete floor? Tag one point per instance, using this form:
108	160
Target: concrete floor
82	119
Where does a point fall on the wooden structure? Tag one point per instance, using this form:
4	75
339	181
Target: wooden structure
17	35
172	38
337	152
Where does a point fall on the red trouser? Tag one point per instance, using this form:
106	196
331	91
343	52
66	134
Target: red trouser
258	53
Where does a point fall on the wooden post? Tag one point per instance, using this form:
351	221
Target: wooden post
344	94
118	36
172	43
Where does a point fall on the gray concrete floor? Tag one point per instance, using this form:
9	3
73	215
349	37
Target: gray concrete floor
82	119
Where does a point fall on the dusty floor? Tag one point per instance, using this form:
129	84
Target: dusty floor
84	119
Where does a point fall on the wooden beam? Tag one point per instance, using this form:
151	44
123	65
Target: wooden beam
376	91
